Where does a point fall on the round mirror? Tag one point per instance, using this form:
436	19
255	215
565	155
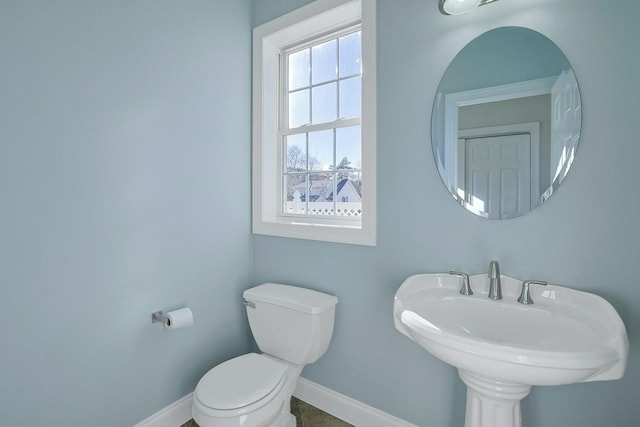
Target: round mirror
506	122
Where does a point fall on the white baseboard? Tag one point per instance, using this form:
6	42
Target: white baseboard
327	400
174	415
344	407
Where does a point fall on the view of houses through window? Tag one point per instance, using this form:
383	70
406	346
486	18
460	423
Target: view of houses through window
321	134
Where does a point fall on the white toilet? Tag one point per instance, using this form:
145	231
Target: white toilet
293	327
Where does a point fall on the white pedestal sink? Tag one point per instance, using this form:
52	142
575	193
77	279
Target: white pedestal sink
501	347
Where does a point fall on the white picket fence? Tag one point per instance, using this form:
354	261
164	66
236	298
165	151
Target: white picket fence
325	208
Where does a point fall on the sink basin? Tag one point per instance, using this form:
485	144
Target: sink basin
501	347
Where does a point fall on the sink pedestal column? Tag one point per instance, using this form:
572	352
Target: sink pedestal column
492	403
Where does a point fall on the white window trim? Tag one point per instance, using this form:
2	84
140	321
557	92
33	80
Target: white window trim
317	17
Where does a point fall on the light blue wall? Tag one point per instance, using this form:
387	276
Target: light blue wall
585	237
119	124
124	189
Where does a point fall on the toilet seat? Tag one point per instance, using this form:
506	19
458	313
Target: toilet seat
240	385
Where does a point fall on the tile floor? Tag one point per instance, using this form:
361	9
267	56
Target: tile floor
306	416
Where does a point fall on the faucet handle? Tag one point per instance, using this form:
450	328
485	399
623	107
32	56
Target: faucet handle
466	288
525	297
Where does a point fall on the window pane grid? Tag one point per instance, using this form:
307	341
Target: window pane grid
311	86
337	124
340	34
300	206
319	189
322	98
300	105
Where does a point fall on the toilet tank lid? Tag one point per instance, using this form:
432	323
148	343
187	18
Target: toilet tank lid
293	297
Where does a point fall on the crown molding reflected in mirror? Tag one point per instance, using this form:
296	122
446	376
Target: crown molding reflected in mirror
506	122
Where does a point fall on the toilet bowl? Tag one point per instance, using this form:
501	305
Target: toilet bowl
293	327
244	391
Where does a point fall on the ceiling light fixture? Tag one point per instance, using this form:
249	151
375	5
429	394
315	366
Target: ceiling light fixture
458	7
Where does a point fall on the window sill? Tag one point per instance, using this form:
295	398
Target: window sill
310	230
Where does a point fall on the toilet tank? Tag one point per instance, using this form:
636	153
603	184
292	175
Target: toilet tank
291	323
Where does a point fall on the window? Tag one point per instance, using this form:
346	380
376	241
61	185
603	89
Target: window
314	130
320	127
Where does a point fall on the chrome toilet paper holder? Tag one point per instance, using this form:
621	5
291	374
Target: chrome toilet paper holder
175	319
158	316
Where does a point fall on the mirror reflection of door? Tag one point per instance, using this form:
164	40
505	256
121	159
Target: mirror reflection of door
497	169
503	77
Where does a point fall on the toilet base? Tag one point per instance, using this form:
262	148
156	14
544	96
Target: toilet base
284	420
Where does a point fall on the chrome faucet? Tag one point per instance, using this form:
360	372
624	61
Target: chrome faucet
525	296
495	288
465	289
